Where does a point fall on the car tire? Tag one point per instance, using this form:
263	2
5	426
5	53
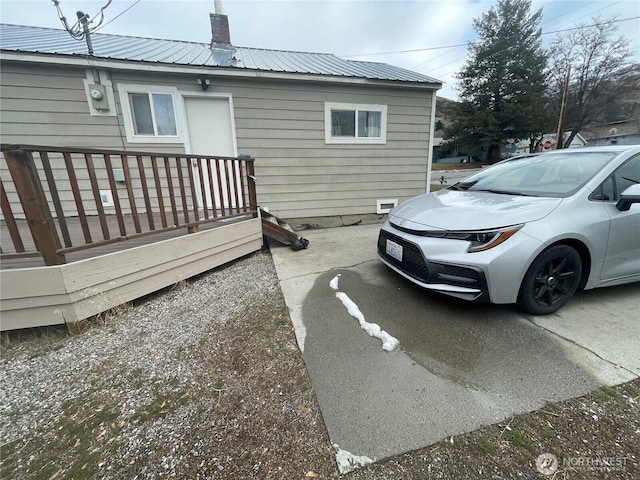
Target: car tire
551	280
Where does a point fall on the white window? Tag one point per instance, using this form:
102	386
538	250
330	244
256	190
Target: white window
150	114
355	123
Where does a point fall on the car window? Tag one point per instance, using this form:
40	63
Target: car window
618	182
626	175
553	174
605	192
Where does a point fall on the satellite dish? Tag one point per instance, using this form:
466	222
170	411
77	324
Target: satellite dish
613	131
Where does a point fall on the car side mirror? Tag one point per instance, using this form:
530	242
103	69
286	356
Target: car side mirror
629	196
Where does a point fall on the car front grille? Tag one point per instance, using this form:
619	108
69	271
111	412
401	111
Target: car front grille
413	262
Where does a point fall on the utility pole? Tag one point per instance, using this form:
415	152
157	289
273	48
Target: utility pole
563	106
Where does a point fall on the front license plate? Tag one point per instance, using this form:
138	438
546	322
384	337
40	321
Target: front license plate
394	250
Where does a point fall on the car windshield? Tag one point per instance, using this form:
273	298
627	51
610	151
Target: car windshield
552	174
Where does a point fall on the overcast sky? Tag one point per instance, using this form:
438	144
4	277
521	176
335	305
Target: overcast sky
409	34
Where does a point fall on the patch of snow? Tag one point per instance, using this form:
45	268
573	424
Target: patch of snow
389	343
334	282
347	462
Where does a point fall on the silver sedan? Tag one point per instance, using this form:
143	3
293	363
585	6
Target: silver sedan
530	230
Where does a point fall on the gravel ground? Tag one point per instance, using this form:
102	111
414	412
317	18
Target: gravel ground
205	380
201	381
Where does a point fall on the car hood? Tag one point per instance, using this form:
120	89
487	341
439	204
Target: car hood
469	210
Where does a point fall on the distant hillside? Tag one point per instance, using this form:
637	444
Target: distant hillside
627	107
444	114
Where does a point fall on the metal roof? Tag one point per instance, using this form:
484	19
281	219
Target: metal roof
20	38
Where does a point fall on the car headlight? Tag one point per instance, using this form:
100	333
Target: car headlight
484	239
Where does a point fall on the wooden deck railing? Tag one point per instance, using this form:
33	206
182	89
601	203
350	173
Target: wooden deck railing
113	196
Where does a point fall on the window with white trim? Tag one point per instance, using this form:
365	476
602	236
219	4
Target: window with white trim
150	114
355	123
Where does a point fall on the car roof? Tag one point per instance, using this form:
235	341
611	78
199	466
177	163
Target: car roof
601	148
615	149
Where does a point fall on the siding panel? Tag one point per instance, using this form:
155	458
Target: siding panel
299	175
280	123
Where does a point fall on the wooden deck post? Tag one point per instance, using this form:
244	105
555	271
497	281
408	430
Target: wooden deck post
251	184
34	204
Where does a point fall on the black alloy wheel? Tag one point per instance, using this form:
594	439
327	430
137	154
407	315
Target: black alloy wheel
551	280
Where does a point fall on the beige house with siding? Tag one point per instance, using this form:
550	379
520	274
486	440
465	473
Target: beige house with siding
331	137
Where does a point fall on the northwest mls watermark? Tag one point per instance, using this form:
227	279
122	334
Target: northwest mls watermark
548	463
605	464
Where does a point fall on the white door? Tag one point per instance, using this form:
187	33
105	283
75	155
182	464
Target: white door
211	132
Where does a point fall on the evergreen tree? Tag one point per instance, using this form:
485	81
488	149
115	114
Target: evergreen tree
502	84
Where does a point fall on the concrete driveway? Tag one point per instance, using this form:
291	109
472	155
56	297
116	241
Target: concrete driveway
458	366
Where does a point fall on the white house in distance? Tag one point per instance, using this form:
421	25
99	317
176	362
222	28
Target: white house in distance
332	138
548	142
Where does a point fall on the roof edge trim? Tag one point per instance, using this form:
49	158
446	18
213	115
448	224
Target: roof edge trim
136	65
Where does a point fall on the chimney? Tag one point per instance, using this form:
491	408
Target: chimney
219	29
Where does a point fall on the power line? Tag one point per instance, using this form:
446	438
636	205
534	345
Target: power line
473	43
610	22
457	59
120	14
80	29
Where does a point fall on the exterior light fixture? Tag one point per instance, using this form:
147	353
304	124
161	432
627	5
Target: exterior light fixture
204	83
